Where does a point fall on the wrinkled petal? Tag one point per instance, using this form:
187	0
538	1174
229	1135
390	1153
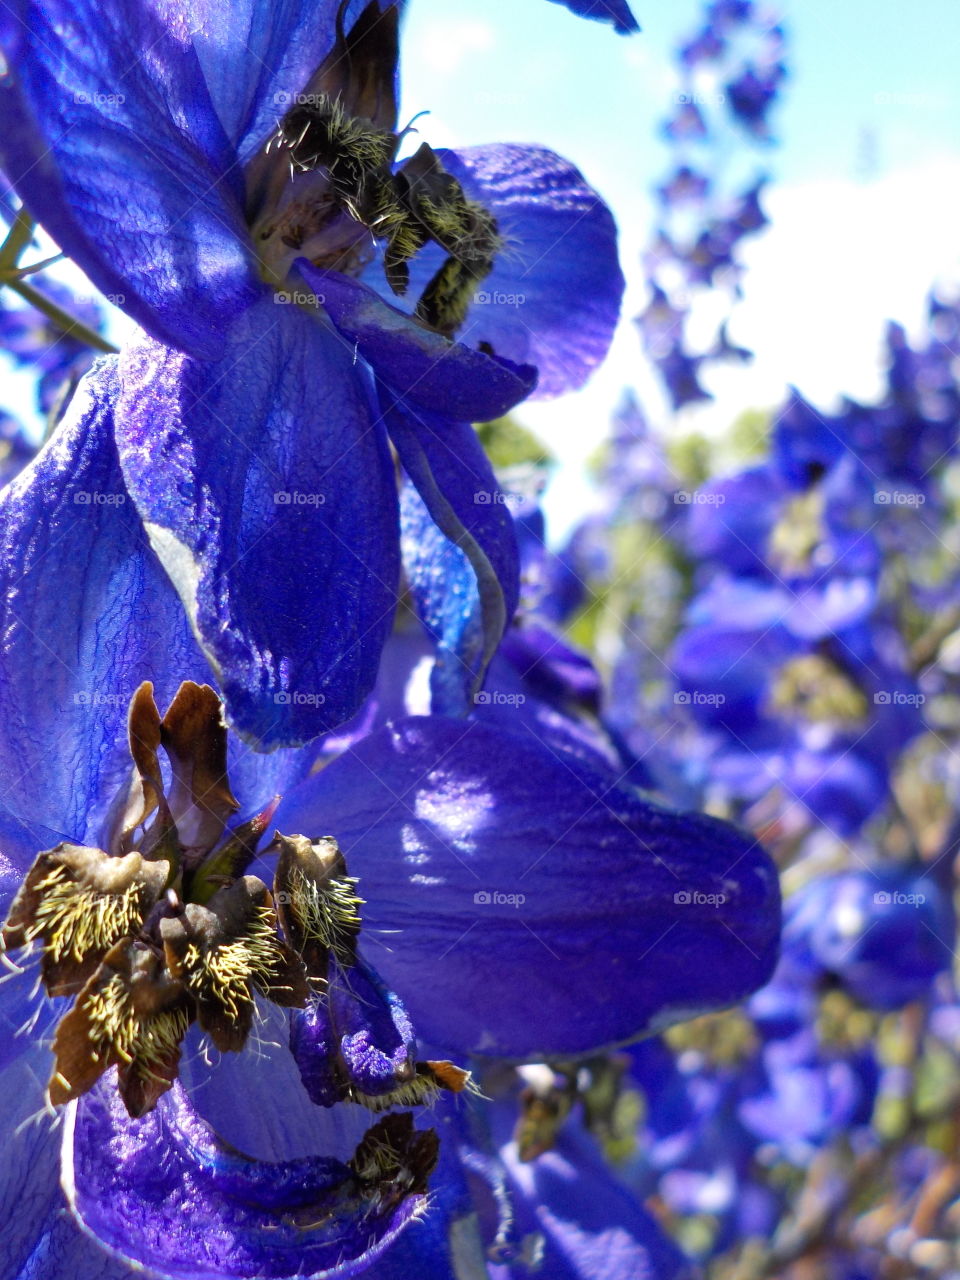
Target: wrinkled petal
122	159
29	1190
553	297
464	571
424	368
553	911
270	499
87	615
165	1192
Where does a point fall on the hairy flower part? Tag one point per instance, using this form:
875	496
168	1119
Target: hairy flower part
78	903
354	1041
131	1015
152	943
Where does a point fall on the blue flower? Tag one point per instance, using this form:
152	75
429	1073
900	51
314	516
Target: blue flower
604	914
253	414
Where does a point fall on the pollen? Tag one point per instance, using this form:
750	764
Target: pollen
75	920
329	912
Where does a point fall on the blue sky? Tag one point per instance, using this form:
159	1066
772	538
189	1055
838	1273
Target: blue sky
865	203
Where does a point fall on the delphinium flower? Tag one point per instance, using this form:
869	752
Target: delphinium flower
730	74
446	892
230	189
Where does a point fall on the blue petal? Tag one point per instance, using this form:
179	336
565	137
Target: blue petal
165	1193
270	499
29	1188
615	11
426	369
466	581
540	908
553	297
592	1224
64	1250
122	158
86	614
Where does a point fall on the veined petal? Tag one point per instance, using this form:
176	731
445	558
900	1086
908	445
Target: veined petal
257	56
424	368
165	1193
553	911
29	1190
122	159
464	571
269	496
86	615
616	12
553	297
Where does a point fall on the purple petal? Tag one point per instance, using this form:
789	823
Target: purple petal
615	11
541	909
270	498
165	1193
466	581
424	368
87	614
553	297
122	159
591	1223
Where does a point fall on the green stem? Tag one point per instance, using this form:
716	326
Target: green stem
68	323
18	237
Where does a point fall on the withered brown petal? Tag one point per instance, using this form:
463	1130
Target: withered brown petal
360	69
195	738
131	1014
80	902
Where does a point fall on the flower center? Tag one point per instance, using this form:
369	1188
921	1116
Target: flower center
167	930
